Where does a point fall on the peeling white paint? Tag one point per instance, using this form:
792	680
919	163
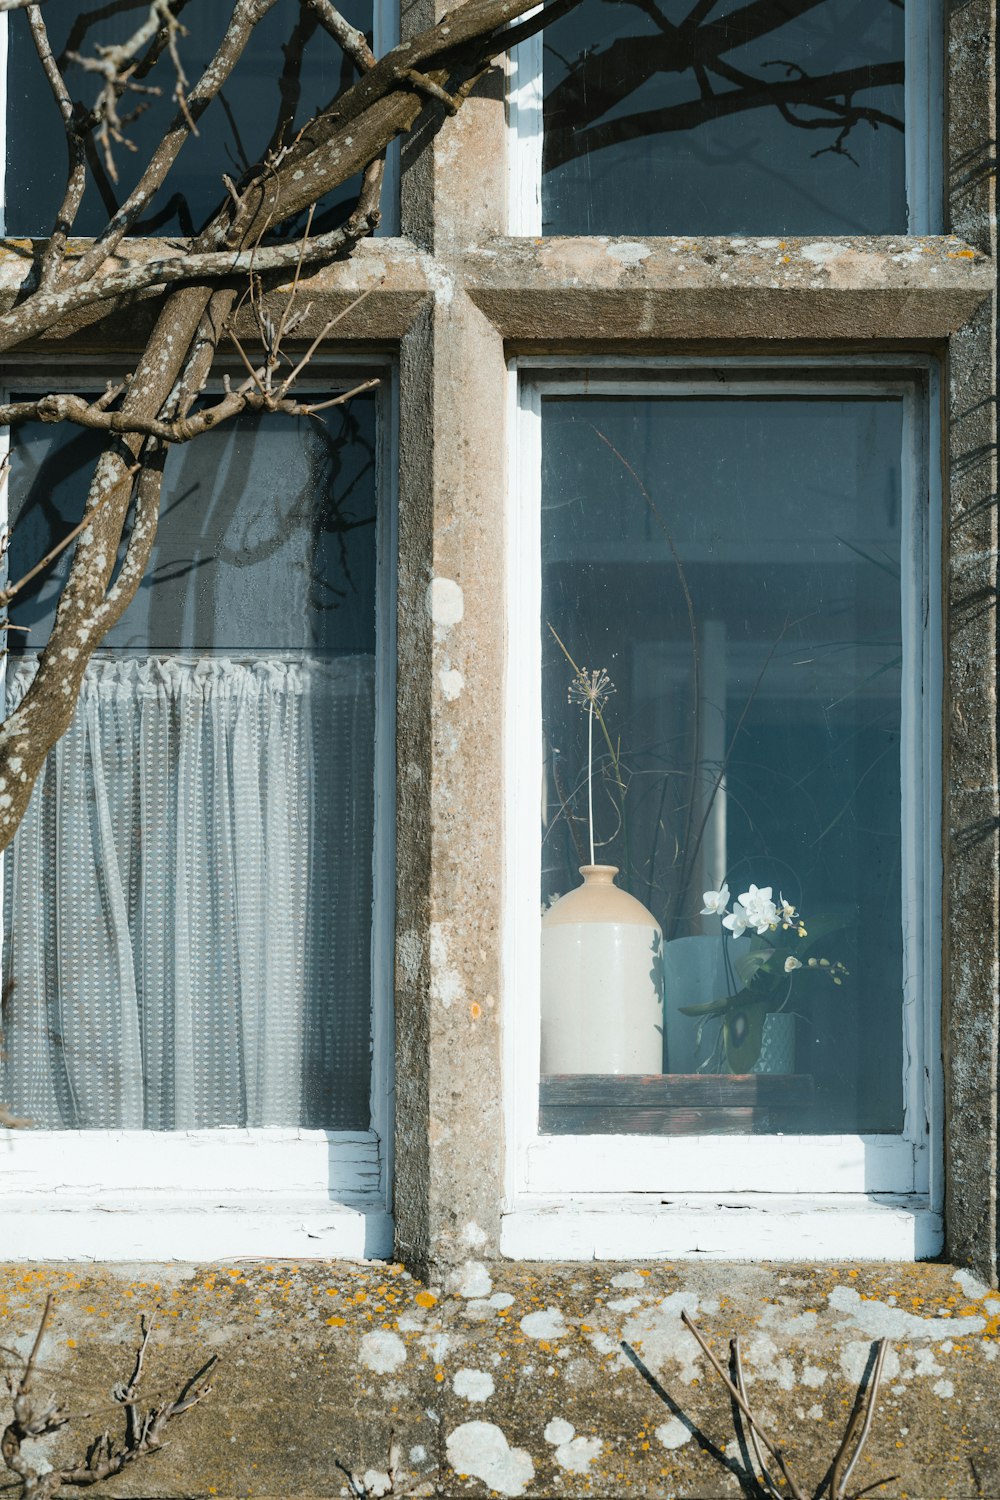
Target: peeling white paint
482	1450
879	1320
376	1483
473	1385
673	1434
382	1352
547	1323
452	683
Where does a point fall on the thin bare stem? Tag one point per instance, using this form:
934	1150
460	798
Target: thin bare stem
840	1473
769	1484
24	1384
741	1402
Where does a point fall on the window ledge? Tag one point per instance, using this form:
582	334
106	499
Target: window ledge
730	1226
195	1227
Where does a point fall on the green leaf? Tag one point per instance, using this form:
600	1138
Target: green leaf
743	1033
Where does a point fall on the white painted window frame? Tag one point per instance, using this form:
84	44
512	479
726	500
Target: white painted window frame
385	35
923	107
233	1193
690	1195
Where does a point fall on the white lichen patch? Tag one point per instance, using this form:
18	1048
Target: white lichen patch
764	1362
547	1323
382	1352
629	1280
408	951
628	252
502	1299
445	602
624	1304
813	1376
855	1361
452	683
473	1385
820	251
878	1320
578	1454
660	1338
559	1431
482	1450
970	1286
474	1236
944	1389
470	1279
446	984
673	1434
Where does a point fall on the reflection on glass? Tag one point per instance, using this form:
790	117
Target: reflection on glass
188	900
733	566
729	118
291	68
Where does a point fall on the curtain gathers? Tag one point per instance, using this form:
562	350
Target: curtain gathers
188	900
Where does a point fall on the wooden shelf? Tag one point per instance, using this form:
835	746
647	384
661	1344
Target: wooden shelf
672	1103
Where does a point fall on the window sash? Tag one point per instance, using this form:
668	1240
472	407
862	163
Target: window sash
567	1166
312	1167
924	111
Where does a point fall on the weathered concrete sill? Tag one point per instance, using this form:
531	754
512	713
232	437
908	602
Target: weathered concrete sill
517	1376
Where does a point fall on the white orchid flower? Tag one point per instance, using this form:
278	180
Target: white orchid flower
738	920
786	912
761	912
716	902
792	963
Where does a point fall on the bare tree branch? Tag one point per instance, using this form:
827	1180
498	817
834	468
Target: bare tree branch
143	1435
52	256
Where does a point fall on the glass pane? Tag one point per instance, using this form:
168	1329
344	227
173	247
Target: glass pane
290	65
733	566
188	900
727	118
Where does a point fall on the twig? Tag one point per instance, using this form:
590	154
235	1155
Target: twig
771	1447
839	1475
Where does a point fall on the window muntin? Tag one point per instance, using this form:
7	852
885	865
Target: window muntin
870	1144
729	119
206	826
238	127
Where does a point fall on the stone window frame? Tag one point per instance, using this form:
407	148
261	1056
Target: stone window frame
453	299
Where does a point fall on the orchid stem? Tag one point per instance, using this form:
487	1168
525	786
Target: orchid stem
590	777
